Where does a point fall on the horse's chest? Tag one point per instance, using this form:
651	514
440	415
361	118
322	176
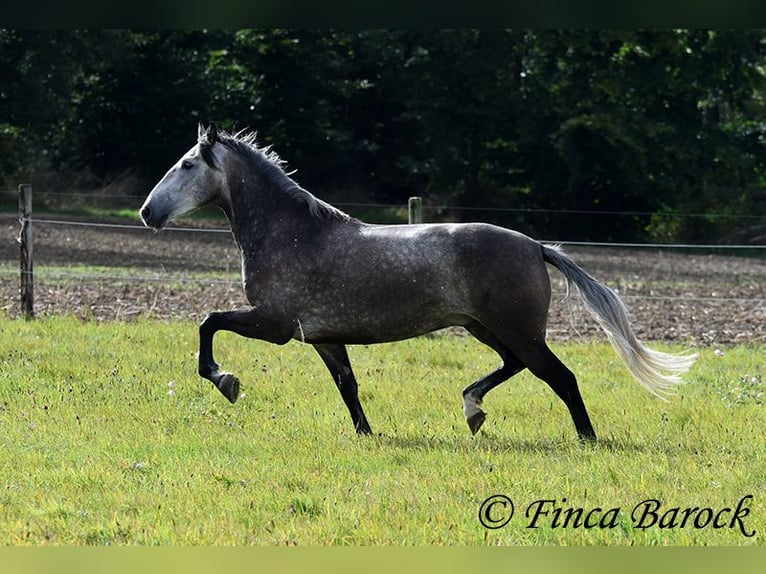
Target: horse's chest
276	284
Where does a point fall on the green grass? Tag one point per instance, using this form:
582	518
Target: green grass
107	436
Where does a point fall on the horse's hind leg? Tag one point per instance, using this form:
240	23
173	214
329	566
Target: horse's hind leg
541	361
339	365
474	393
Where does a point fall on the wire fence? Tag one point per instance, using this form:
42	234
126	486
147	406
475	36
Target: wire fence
89	235
441	211
102	225
612	244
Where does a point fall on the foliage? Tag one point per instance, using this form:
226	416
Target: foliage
596	120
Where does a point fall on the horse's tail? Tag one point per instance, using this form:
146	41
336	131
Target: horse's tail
657	371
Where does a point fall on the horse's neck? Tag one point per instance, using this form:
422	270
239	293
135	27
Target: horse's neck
264	214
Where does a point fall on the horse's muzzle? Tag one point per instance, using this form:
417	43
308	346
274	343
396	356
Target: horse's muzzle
151	219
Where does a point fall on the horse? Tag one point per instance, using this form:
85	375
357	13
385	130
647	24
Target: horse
314	274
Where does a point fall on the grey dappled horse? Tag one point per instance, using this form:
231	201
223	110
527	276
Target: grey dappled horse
312	273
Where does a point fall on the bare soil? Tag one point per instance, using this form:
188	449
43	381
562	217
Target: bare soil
683	297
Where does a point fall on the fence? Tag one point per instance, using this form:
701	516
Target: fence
26	284
415	210
26	241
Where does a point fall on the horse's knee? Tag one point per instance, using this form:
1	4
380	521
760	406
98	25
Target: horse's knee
209	324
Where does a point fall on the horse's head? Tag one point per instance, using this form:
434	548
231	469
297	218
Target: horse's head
195	180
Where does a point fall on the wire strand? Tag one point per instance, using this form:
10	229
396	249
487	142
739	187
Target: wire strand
44	221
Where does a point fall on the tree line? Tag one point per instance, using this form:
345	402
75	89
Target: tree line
628	127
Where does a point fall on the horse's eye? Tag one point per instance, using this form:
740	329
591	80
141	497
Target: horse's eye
186	164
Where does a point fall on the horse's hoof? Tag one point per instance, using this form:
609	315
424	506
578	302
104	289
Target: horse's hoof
228	384
588	437
364	430
475	421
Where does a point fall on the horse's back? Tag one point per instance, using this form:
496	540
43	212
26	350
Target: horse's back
483	263
440	239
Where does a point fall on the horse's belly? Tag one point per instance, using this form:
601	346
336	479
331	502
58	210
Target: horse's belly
372	326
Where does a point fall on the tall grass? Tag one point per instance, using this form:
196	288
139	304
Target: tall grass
107	436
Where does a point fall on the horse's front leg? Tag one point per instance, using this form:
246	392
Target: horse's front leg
249	323
337	361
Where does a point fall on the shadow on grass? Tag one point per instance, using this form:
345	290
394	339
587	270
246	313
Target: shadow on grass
554	445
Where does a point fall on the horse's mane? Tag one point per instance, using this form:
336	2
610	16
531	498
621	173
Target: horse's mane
272	167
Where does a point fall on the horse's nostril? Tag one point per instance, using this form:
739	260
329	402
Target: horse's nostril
146	213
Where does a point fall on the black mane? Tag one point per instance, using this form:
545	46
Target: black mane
268	163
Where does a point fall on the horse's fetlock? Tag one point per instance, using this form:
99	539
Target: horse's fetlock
471	404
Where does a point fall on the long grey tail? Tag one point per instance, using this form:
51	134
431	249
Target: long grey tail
658	372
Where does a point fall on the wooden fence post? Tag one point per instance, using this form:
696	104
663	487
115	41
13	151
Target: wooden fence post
26	285
415	210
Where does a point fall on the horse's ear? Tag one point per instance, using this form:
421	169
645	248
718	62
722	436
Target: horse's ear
207	135
211	134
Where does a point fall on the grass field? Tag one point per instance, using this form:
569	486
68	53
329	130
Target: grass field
107	436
